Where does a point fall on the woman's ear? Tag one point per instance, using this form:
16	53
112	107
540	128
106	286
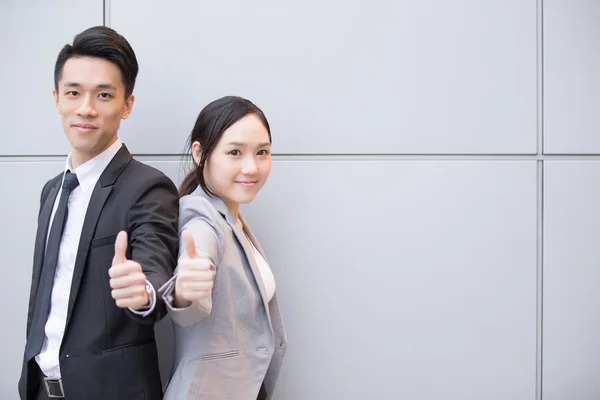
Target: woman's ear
196	152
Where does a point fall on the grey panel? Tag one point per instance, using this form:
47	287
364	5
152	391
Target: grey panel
339	76
18	218
403	279
571	337
174	167
33	33
571	79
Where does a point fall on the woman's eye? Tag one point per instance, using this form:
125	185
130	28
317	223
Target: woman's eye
235	152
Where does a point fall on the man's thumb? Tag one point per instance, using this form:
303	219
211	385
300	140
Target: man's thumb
120	248
189	245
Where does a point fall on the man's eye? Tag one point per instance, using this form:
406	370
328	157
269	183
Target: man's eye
72	93
104	96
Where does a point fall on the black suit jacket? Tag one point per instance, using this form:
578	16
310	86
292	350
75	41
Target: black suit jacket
108	352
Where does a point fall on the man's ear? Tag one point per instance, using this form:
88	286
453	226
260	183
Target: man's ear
55	95
128	107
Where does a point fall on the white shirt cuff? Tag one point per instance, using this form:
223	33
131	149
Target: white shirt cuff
145	311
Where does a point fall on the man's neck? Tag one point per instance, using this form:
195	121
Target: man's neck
79	158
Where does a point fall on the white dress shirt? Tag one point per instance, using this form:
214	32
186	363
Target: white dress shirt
87	175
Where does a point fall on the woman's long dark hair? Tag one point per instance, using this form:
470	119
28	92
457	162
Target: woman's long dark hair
212	122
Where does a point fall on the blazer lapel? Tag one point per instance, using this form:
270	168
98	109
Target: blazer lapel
40	246
253	238
239	234
273	305
100	194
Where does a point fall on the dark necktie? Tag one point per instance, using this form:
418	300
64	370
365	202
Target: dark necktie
35	338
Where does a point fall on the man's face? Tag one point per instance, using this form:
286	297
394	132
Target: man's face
91	102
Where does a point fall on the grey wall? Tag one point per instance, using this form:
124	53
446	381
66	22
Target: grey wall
571	79
430	214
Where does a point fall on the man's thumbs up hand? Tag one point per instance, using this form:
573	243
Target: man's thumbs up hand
127	280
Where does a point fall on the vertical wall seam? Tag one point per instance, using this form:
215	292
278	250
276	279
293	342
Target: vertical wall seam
106	13
540	201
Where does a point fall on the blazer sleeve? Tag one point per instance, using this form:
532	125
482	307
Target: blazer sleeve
152	226
208	245
33	288
44	194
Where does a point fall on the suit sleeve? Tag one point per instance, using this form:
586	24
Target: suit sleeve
207	246
33	287
44	194
152	227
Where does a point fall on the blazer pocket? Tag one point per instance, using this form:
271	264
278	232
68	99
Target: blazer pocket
126	346
104	240
215	356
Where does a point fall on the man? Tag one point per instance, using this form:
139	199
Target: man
106	241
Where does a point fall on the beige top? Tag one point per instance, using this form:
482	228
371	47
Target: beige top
265	273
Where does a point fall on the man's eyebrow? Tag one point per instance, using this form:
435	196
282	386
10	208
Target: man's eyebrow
100	86
106	86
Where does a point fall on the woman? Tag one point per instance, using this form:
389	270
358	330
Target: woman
229	336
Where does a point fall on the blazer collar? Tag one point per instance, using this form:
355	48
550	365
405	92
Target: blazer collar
222	208
115	167
218	204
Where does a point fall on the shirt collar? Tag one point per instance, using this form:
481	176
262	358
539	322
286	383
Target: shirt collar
89	172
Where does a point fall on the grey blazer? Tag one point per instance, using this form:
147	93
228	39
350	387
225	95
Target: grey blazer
228	345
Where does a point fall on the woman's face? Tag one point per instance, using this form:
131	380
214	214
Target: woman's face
240	163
